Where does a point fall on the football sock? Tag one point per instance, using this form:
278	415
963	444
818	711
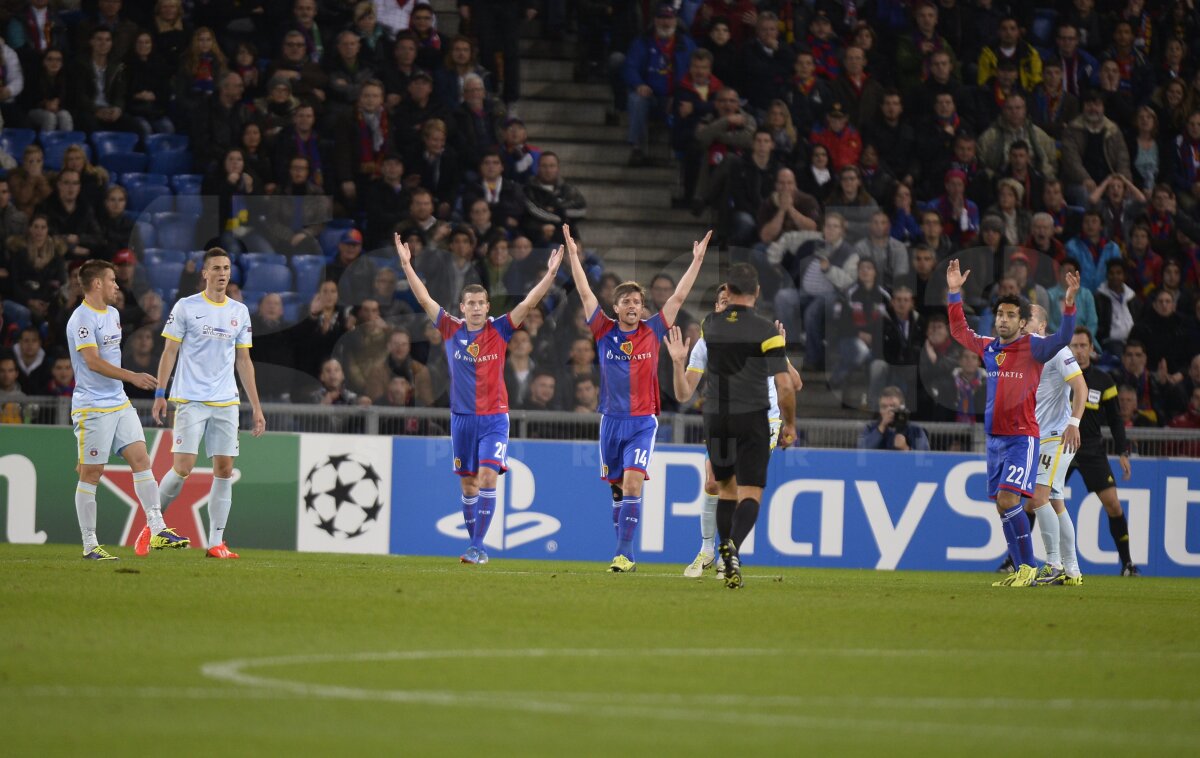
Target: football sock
631	513
1066	544
708	524
147	494
1010	538
1022	538
169	488
85	509
618	495
743	521
1032	518
725	509
468	506
220	500
1118	526
1048	526
483	515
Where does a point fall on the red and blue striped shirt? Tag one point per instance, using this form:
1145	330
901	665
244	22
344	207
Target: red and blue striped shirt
476	363
628	364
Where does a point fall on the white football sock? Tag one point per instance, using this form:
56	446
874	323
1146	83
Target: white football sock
169	488
220	500
147	493
85	510
708	524
1066	543
1048	526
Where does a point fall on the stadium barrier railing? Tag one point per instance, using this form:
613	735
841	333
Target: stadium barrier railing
675	428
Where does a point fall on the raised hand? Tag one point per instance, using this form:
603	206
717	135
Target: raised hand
402	251
782	332
956	278
677	346
555	261
699	248
572	248
1072	288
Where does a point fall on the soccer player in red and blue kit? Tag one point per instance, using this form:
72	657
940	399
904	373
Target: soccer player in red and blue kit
1013	361
475	349
629	398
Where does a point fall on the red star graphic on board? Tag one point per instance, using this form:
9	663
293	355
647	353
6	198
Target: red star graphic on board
184	513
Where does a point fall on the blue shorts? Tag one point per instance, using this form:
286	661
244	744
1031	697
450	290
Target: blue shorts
479	441
1011	464
626	444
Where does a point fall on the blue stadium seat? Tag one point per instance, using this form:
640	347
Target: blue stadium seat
114	142
123	163
293	305
171	162
310	270
53	138
249	260
251	298
165	276
15	313
14	141
1041	30
328	240
157	143
143	196
56	150
187	184
192	205
154	255
175	231
142	230
269	277
134	178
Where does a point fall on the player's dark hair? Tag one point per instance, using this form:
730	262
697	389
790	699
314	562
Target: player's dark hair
215	252
742	279
472	289
628	288
92	270
1022	306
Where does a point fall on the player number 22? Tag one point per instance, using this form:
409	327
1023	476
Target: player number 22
1015	474
641	457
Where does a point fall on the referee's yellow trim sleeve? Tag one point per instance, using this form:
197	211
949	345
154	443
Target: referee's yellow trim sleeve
1109	393
772	343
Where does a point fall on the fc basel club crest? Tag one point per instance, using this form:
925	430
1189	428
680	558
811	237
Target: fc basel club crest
1000	358
627	347
457	463
473	349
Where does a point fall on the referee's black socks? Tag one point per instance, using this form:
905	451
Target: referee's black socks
1118	526
725	509
743	520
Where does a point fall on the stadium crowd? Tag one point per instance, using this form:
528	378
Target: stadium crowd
844	147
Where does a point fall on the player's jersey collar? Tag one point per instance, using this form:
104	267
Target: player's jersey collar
95	310
213	302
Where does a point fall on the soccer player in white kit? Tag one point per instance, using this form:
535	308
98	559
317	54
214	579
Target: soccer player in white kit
105	422
210	334
1061	394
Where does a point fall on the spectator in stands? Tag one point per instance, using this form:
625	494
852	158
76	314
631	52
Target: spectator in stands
333	389
550	202
914	51
989	99
1027	288
542	392
232	184
504	198
62	376
1092	250
838	137
140	354
1147	154
1020	170
1080	69
693	102
969	388
1120	203
903	338
1156	392
520	158
460	62
859	94
149	88
36	29
1165	334
1013	126
386	201
1067	220
809	94
1085	304
816	272
519	368
858	317
303	21
218	122
12	221
959	215
500	30
399	68
739	18
396	16
1145	266
1186	159
587	394
399	393
309	80
385	292
421	218
302	140
750	179
366	136
170	31
850	197
36	266
100	88
890	429
401	363
653	67
1010	45
362	351
825	45
274	111
297	213
1016	220
414	111
1093	148
927	293
787	209
10	387
202	68
93	180
348	70
816	179
108	15
46	97
354	272
320	332
1127	402
70	218
32	363
889	255
477	123
275	348
1172	281
438	166
894	137
726	132
115	228
933	235
766	65
1189	419
258	164
1050	106
935	140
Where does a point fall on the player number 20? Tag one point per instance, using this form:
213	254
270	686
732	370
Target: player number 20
641	457
1015	474
501	449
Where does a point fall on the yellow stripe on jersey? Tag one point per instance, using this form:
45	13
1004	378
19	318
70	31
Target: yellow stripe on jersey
82	432
172	337
1054	466
1109	393
90	344
697	370
1072	376
246	346
772	343
210	302
120	407
95	310
222	404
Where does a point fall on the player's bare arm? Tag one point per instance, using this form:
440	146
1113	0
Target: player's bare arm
166	364
582	286
684	382
671	308
787	408
420	292
797	380
955	278
245	371
91	356
517	315
1079	390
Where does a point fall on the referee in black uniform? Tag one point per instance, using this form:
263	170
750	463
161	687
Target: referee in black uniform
744	350
1091	461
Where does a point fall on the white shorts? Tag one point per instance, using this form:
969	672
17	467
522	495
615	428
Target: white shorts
218	425
1053	463
776	425
103	433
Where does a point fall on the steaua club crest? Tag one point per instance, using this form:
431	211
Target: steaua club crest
473	349
1000	358
627	347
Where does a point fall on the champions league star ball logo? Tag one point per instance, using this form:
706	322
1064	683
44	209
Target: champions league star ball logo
473	349
342	496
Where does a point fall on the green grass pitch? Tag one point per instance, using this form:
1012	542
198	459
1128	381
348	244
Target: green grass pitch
302	654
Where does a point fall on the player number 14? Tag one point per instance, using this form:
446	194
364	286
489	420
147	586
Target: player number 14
641	457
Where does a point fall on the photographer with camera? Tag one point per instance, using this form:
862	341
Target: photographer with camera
890	429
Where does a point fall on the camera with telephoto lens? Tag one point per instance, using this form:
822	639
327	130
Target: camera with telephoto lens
899	420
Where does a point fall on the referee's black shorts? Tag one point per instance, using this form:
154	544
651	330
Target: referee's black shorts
739	444
1094	467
